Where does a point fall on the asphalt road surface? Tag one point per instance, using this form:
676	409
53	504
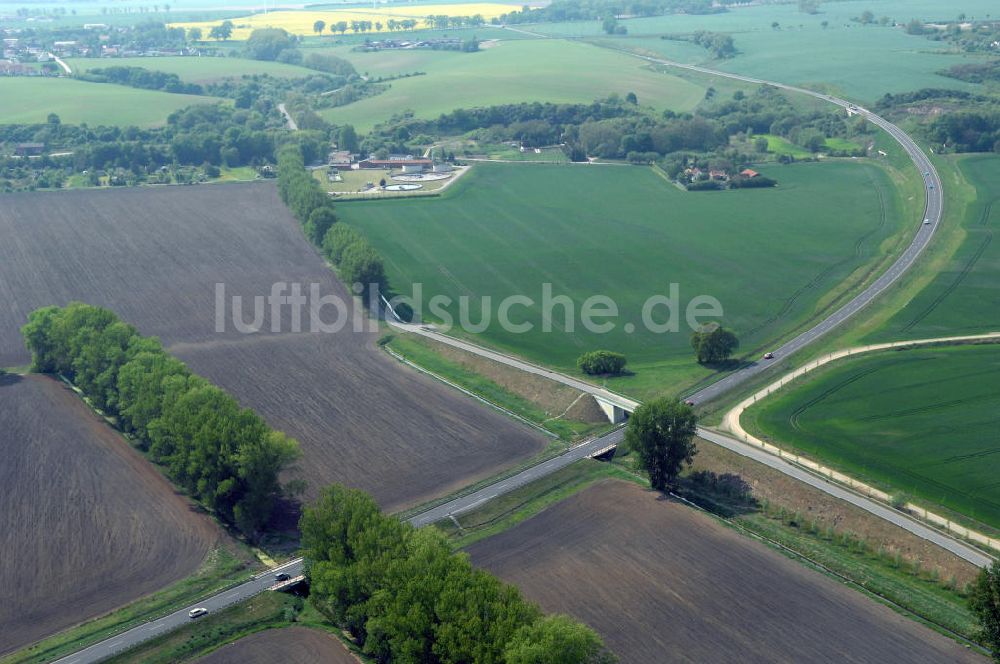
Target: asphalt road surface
154	628
932	212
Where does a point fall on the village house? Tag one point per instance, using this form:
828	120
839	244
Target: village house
407	163
29	149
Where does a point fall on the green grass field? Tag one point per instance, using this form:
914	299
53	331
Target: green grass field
27	100
627	233
863	62
964	298
195	70
922	421
513	71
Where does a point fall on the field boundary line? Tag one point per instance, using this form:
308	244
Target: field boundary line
845	579
731	422
470	393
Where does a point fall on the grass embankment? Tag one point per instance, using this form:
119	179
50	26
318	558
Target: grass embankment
221	570
421	352
508	510
509	229
920	421
268	610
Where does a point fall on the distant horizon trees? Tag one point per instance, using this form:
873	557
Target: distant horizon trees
405	596
224	456
221	32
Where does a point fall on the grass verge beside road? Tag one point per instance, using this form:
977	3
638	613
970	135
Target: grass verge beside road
222	569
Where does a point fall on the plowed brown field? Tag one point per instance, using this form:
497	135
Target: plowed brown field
663	583
154	255
86	524
291	645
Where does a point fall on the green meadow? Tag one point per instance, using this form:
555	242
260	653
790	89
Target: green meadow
196	70
27	100
512	71
771	257
922	421
862	62
964	298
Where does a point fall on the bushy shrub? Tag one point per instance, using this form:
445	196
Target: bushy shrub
601	363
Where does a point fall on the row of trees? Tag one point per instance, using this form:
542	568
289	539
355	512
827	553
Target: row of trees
719	44
356	260
304	195
139	77
582	10
225	456
406	597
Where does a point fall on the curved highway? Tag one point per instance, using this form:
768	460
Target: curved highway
933	209
932	213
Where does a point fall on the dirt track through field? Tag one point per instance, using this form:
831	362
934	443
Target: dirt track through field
86	524
662	582
155	255
291	645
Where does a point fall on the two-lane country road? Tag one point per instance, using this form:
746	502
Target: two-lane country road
133	637
932	213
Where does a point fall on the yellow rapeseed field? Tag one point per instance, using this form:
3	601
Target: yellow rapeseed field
301	22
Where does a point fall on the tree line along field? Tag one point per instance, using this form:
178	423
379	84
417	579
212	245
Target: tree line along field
299	22
527	70
861	62
87	524
195	69
663	582
625	232
155	255
964	297
32	99
921	421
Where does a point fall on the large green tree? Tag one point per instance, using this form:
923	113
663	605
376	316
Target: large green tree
985	603
555	640
713	344
661	432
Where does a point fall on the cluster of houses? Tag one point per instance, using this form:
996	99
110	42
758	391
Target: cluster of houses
19	50
398	44
695	174
407	163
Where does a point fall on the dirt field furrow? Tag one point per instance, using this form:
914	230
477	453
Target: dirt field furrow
662	583
86	524
155	255
291	645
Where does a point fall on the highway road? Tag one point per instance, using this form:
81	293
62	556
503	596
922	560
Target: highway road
933	208
932	212
133	637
